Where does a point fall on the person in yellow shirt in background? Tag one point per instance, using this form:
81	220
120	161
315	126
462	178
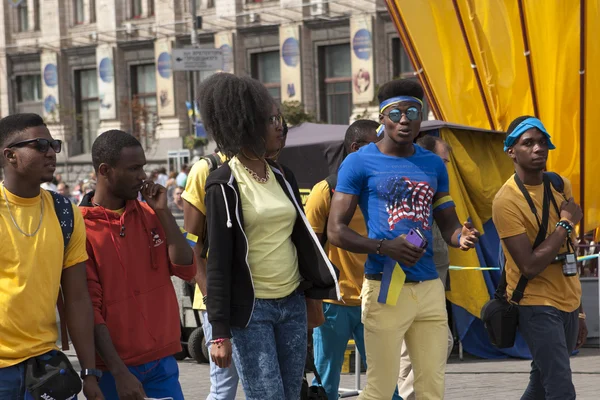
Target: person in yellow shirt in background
342	318
34	262
223	381
551	319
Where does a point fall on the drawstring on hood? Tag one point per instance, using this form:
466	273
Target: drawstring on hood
229	224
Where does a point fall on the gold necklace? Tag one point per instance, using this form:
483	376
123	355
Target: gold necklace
255	176
13	218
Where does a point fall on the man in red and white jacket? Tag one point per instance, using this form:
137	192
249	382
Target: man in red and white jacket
134	248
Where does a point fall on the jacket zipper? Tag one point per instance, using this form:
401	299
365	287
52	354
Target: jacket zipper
237	216
313	236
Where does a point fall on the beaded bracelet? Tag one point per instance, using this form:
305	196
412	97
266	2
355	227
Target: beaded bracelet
566	226
379	247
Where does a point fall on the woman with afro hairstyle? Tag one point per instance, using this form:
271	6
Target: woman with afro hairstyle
263	257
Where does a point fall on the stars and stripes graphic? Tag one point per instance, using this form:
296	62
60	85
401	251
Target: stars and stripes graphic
406	199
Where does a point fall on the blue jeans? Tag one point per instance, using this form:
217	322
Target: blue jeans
330	341
271	351
223	381
551	336
12	381
159	378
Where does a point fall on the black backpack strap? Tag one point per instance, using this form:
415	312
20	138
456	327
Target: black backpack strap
331	183
64	212
542	233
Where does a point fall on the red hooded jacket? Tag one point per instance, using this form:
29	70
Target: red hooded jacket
129	280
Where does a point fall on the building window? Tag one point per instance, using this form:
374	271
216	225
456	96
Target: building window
92	11
151	8
29	94
401	67
36	14
22	17
143	101
87	106
335	84
135	9
266	68
78	12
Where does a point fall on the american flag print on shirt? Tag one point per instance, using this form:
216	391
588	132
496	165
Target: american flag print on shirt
406	199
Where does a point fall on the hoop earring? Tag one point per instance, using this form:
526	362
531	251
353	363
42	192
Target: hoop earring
249	158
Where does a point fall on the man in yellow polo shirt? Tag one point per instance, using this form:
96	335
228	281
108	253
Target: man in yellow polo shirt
342	319
551	319
34	261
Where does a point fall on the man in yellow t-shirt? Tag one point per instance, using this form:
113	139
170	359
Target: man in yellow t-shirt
34	262
342	318
550	316
223	381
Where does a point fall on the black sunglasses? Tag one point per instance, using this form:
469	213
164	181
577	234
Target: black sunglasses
41	145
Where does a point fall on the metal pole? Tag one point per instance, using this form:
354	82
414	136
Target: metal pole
194	41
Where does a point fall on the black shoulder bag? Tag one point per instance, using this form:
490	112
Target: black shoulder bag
499	315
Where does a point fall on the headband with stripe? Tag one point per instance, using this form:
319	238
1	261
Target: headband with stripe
394	100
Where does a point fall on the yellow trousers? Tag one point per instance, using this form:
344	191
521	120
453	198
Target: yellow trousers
420	318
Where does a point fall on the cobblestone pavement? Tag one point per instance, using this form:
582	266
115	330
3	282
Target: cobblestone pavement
471	379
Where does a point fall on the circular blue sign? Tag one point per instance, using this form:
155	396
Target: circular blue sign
51	75
290	52
361	44
164	65
50	104
105	70
227	57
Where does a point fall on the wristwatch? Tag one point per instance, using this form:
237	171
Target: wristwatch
91	372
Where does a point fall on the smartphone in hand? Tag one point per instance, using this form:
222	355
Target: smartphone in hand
417	238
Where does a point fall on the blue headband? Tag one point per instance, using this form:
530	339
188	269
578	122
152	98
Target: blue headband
524	127
386	103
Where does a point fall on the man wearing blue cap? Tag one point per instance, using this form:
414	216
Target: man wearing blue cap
541	271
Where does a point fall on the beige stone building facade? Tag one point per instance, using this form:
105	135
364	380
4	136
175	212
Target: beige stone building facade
92	65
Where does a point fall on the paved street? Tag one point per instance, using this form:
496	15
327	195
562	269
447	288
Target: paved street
469	379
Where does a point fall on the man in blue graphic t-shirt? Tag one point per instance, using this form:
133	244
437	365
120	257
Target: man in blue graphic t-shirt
399	187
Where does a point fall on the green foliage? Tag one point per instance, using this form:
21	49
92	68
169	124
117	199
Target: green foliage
294	113
192	142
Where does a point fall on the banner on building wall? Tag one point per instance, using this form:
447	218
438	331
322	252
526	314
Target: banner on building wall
363	80
165	92
290	59
50	92
224	42
106	81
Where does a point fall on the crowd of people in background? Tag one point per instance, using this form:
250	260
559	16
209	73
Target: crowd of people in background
366	259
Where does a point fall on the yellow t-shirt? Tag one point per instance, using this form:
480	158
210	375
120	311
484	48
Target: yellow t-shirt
30	273
194	194
269	218
512	216
351	265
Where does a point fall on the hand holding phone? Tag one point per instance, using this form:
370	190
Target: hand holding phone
403	250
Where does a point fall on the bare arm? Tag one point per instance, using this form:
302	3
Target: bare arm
180	252
107	350
532	262
339	234
195	222
79	313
